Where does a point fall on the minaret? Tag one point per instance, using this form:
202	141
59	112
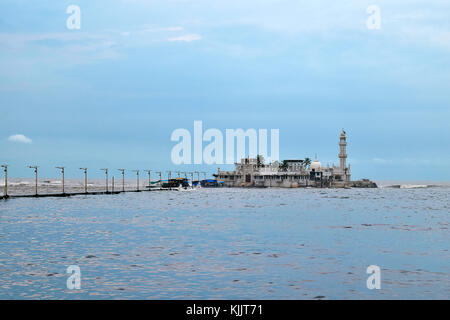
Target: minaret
343	151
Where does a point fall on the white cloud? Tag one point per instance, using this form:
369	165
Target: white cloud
19	138
380	160
174	29
186	38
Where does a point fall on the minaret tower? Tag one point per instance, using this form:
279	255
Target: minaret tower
343	151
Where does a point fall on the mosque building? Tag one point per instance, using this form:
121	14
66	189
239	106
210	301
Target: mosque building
253	172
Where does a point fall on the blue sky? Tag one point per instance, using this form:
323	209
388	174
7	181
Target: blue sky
111	93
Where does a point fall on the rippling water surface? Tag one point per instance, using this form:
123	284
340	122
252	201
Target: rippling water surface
228	244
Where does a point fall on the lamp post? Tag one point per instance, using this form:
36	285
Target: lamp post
137	177
62	172
123	179
198	177
85	179
192	180
5	168
160	179
169	174
36	178
204	178
112	185
106	173
149	178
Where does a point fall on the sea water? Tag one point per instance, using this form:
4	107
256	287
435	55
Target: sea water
229	243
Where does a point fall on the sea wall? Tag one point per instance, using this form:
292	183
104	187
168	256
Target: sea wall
364	183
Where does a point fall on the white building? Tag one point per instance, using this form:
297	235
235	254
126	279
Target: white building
253	172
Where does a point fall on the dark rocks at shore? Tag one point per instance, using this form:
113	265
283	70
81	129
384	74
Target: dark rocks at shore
364	183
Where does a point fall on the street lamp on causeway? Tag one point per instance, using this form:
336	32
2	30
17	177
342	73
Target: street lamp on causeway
149	177
169	174
192	179
198	177
160	178
123	179
137	177
85	179
36	178
5	168
62	172
106	173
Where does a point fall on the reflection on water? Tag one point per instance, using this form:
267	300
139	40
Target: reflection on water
228	243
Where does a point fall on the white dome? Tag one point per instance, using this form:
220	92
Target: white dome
315	165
